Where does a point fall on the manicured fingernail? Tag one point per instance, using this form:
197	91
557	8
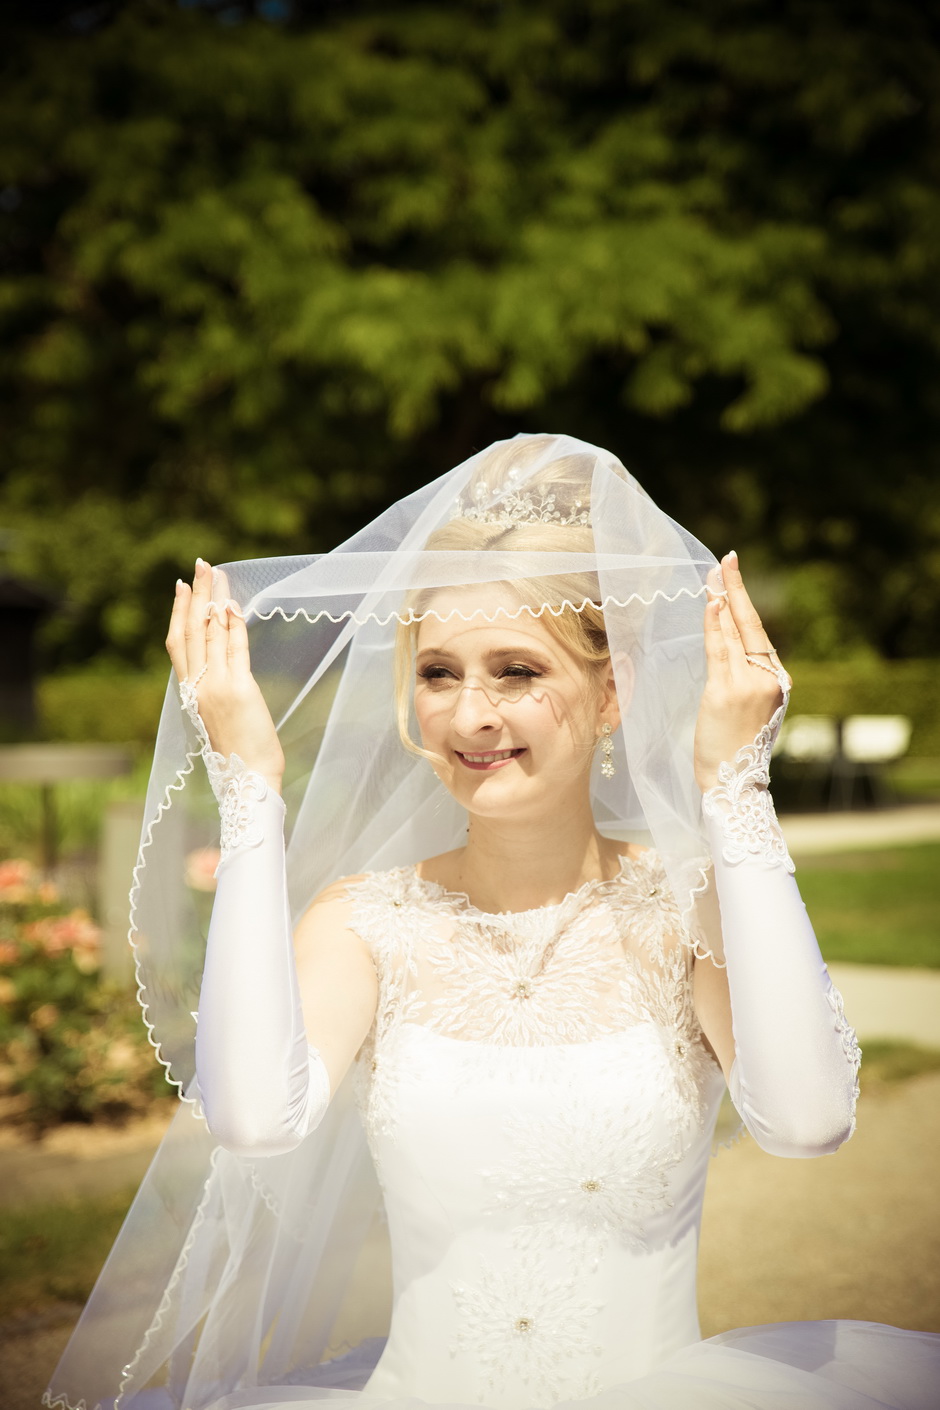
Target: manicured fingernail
179	584
200	566
732	556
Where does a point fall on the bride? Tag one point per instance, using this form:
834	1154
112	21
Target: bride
537	902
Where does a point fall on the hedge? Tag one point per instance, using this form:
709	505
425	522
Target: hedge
842	688
91	707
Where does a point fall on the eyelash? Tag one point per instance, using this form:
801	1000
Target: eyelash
514	672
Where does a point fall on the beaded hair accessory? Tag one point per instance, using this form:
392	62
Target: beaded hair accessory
520	507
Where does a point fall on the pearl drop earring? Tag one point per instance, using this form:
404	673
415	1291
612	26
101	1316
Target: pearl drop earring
607	750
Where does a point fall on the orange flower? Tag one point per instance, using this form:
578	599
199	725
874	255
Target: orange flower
200	868
76	931
17	880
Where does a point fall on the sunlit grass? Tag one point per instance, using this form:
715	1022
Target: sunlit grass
876	907
53	1252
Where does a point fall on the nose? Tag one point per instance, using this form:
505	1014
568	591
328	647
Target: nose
474	711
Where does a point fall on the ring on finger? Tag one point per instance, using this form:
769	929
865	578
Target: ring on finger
776	670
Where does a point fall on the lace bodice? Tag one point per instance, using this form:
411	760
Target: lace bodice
539	1102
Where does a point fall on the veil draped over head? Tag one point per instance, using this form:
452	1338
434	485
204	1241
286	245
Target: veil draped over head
232	1272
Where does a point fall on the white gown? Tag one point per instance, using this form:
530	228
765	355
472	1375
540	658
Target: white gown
540	1108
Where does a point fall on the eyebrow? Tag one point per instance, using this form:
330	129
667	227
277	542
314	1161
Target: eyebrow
503	653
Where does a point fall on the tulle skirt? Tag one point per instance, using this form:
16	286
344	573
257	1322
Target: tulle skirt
835	1365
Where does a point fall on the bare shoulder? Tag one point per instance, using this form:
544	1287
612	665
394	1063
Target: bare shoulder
326	923
337	893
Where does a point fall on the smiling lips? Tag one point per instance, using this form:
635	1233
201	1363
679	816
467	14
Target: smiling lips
495	759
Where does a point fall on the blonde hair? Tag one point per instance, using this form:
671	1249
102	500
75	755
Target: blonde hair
574	615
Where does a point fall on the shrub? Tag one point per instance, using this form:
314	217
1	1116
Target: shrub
72	1047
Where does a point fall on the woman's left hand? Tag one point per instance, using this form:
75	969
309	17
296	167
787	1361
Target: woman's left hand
739	697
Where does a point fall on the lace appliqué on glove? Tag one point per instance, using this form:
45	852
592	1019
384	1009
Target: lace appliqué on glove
237	790
189	700
846	1032
742	804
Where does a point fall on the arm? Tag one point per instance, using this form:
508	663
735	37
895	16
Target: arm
263	1084
773	1017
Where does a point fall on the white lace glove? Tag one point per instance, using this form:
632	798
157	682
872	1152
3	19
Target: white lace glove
262	1086
794	1080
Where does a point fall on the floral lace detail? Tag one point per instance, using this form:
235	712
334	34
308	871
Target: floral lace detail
519	1323
848	1036
236	788
663	996
237	792
526	980
606	959
742	804
560	974
189	701
584	1178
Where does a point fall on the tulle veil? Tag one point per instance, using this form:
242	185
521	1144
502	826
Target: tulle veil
229	1272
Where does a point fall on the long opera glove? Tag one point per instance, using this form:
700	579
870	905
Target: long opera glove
794	1079
263	1087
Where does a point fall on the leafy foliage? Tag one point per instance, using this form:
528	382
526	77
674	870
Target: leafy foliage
258	279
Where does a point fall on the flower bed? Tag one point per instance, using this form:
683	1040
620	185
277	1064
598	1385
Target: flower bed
72	1045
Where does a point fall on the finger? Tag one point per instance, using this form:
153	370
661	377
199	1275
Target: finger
221	592
737	653
239	656
196	619
716	649
216	641
176	632
746	617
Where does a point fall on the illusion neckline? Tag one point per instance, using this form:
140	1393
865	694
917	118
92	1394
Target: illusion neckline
459	902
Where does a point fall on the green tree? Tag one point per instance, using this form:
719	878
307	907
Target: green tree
259	277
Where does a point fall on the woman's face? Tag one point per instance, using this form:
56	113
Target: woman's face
510	712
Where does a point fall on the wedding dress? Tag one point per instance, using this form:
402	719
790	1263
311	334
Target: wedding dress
540	1105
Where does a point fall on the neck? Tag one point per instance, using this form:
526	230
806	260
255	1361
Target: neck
515	865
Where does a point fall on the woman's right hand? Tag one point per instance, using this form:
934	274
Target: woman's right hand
213	636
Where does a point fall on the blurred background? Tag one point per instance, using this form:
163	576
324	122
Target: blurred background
265	268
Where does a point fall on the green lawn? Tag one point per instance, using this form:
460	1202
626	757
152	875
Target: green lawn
53	1253
876	907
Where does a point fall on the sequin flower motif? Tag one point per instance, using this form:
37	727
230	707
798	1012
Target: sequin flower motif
589	1177
647	904
520	1325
